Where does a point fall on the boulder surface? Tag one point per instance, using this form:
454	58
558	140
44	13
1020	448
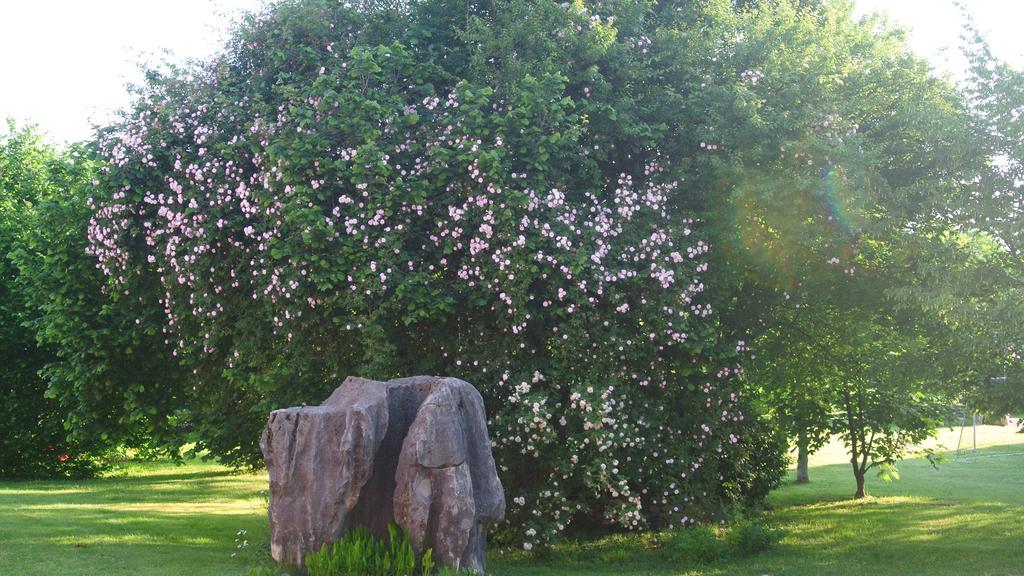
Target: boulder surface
413	451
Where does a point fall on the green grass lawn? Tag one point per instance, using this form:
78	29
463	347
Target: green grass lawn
153	518
158	518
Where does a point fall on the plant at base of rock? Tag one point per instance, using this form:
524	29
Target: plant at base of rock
358	553
427	565
400	555
750	537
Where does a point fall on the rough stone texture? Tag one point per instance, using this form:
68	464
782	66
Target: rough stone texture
319	459
448	492
413	451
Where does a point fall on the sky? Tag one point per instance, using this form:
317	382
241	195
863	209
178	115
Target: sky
64	64
934	27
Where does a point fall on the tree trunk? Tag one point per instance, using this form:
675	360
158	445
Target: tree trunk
802	476
856	445
861	492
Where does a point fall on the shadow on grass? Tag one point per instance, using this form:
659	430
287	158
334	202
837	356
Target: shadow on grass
162	519
193	486
960	519
887	536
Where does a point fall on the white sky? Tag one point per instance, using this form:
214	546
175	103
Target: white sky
935	27
64	63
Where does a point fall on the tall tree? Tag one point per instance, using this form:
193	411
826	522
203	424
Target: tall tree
107	367
968	262
845	147
33	439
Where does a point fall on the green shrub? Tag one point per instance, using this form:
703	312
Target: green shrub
757	468
696	545
704	544
748	537
446	571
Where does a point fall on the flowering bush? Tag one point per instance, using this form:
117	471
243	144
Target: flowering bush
348	203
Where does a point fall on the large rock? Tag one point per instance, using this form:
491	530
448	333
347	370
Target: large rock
413	451
319	459
447	491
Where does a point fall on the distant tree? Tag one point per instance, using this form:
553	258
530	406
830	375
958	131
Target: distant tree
968	264
794	379
839	159
990	247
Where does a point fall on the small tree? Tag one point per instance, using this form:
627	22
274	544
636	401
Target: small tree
887	398
877	384
794	379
